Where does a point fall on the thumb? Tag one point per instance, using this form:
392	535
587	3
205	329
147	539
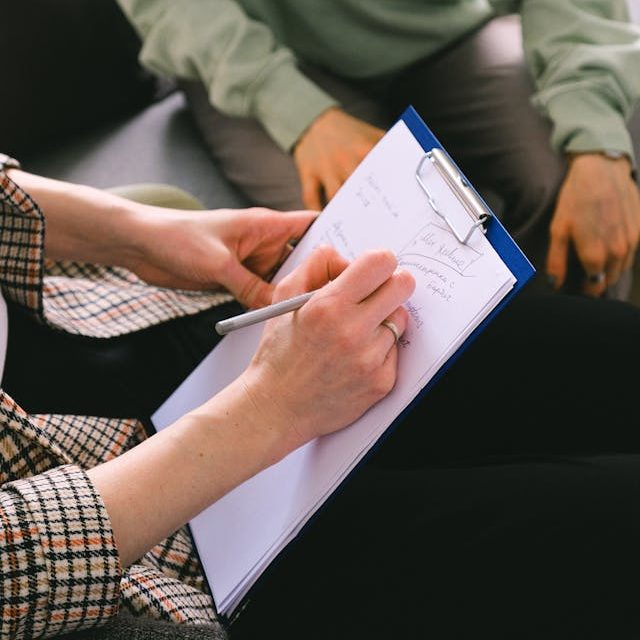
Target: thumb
247	287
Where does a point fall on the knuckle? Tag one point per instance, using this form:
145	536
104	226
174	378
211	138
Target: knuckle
287	287
248	292
381	258
320	313
401	318
593	258
325	252
406	283
619	249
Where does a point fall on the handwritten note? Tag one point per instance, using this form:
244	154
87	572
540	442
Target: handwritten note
380	206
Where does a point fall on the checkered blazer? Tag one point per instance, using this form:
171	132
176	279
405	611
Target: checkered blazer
59	566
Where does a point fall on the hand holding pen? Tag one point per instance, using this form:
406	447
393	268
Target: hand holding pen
341	324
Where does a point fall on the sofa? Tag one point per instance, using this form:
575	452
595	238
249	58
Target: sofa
79	107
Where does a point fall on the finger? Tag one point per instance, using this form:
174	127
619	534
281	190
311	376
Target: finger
364	275
389	370
331	186
247	287
286	251
387	297
324	265
631	258
311	192
557	259
293	224
613	270
275	239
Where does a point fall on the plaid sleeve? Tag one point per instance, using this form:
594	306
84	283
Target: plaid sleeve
59	566
21	246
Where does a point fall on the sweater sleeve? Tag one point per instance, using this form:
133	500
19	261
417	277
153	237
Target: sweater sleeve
247	72
584	56
59	567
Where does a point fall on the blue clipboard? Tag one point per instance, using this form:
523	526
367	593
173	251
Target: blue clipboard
495	232
511	255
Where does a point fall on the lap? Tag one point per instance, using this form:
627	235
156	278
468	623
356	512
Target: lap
539	549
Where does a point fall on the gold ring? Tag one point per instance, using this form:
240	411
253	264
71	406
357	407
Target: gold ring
392	327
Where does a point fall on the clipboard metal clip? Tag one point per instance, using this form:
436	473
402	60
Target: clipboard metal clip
477	210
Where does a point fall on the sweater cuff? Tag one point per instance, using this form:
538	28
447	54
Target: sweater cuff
64	567
585	121
287	103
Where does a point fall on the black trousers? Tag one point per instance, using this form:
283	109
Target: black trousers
504	505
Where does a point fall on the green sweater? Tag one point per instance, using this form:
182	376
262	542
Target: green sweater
583	54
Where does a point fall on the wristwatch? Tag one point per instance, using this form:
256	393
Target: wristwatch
6	162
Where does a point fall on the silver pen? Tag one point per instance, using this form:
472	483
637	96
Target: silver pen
262	314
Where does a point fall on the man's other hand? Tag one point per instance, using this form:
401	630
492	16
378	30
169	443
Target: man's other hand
598	211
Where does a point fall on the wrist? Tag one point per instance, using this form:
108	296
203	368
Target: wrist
249	413
126	235
318	124
608	156
144	230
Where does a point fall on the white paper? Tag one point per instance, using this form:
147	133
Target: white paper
380	206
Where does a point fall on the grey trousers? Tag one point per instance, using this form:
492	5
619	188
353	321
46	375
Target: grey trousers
475	97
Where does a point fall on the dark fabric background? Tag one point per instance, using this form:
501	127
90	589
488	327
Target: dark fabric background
67	66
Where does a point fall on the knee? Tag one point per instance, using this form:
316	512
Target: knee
159	195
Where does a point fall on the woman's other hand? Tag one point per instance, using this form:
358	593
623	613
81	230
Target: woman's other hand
232	248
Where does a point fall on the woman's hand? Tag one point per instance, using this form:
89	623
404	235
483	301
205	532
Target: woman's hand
233	248
320	368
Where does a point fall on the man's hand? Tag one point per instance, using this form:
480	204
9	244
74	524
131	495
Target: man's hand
328	152
598	211
233	248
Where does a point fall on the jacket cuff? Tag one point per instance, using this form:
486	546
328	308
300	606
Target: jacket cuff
585	121
63	566
287	103
21	247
